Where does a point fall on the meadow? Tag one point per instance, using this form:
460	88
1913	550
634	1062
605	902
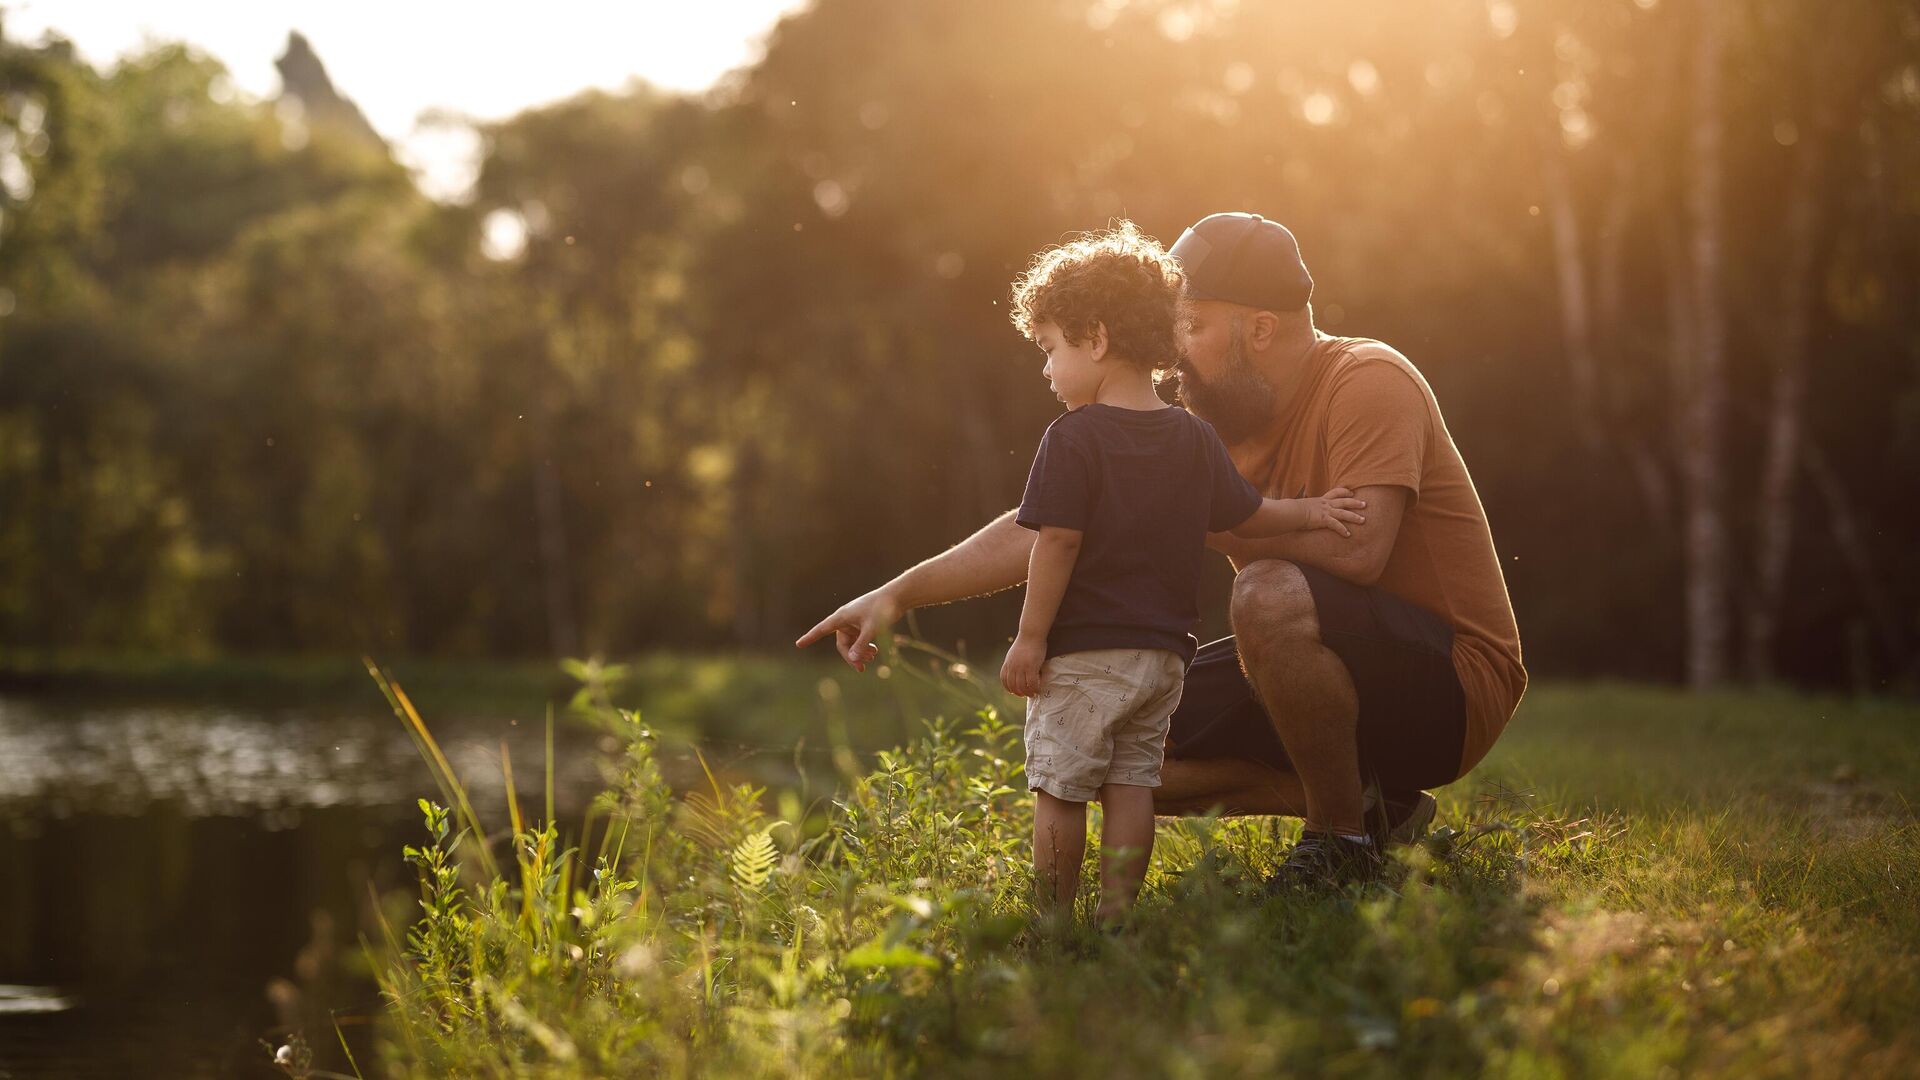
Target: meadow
1638	882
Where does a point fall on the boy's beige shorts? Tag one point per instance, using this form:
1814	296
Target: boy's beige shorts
1101	718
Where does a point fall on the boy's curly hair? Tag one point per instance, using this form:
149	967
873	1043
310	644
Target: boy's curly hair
1119	278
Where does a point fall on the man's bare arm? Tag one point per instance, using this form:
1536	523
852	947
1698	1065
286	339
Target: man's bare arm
990	560
1359	559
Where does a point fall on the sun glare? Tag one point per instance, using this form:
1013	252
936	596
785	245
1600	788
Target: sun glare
503	235
480	67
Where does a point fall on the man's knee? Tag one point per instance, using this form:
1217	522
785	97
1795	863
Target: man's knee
1272	606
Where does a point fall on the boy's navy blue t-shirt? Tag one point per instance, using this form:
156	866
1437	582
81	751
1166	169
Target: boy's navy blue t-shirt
1145	486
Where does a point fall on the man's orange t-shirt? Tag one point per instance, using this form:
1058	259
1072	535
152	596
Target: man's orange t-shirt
1364	415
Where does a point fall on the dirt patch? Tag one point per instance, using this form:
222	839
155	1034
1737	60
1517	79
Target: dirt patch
1842	805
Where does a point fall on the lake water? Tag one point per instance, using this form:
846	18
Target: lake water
179	884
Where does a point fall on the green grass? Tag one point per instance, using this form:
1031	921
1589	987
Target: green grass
1637	882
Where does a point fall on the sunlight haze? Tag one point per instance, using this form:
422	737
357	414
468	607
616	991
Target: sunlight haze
398	61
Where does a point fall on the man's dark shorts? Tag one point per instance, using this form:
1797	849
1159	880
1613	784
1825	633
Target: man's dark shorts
1413	713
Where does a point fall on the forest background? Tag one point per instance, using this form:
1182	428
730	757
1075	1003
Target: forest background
686	371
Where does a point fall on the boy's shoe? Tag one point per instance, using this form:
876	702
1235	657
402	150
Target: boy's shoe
1325	861
1396	818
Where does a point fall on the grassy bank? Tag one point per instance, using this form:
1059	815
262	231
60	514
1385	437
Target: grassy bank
1637	882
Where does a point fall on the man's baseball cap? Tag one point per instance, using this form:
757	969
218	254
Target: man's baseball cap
1244	259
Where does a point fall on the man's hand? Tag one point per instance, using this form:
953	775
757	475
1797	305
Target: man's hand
855	626
1021	673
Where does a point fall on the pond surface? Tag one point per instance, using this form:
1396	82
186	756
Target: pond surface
181	884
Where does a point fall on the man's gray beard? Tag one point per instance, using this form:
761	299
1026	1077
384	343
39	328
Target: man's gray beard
1237	403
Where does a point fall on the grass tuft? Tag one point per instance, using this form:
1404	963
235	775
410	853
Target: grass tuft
1587	909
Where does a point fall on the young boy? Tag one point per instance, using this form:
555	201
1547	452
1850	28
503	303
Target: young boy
1123	490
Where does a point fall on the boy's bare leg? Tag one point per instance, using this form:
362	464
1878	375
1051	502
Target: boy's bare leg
1059	845
1126	842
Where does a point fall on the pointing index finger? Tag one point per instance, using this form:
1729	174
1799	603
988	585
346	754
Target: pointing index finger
816	633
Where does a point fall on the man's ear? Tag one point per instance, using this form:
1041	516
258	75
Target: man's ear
1261	328
1097	341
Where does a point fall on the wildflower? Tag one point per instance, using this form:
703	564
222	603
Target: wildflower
636	960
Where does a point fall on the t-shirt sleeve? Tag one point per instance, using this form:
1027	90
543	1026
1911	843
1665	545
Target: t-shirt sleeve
1378	425
1060	485
1234	499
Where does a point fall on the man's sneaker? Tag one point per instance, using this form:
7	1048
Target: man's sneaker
1325	861
1396	818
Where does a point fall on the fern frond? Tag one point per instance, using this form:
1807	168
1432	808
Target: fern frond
754	859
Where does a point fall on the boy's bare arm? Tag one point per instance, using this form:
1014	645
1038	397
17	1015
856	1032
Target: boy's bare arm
990	560
1054	553
1275	516
1359	559
1334	511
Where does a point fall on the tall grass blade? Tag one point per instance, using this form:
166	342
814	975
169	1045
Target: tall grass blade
445	777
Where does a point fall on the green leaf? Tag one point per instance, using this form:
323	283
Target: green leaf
754	859
875	955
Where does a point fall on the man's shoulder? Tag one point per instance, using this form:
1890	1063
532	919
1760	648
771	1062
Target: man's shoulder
1358	353
1365	362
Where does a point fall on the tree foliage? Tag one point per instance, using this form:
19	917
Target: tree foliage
744	354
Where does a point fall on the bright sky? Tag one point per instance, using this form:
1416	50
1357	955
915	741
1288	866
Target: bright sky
399	58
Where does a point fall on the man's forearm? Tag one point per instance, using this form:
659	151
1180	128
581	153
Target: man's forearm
990	560
1361	558
1318	548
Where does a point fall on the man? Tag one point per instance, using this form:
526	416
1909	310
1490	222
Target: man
1361	669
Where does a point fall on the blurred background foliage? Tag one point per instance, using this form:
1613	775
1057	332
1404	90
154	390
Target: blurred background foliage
686	372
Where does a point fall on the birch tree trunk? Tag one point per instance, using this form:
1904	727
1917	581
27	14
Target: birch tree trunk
1576	321
1773	537
1703	409
1589	306
1840	67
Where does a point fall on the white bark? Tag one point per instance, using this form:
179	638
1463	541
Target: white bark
1703	408
1785	407
1576	323
1589	306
